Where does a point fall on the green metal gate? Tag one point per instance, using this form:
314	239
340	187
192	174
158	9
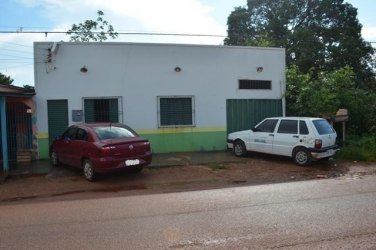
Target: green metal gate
244	114
57	118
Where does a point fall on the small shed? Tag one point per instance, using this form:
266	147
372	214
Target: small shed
18	141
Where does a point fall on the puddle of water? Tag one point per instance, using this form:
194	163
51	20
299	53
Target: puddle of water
239	181
67	193
19	198
96	190
118	189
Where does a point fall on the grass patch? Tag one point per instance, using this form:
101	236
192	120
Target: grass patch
216	166
359	149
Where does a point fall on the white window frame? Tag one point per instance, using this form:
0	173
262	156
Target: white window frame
120	105
176	97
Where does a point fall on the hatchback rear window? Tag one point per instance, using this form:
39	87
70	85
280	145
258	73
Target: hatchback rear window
105	133
323	127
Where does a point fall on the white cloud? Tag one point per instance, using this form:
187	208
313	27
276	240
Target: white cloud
189	16
163	16
369	33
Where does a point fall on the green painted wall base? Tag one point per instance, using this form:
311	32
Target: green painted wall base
186	142
43	148
169	142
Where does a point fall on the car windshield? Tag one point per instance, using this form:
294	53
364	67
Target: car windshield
105	133
323	127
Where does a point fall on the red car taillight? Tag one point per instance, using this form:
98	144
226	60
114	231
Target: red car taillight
106	151
318	143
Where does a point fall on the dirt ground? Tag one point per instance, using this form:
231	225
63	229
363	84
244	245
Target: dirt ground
251	170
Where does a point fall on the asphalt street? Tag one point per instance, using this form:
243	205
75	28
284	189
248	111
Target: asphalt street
319	214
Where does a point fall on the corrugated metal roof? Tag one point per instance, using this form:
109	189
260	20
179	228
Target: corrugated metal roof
10	90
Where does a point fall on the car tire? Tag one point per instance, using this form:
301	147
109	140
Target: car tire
136	169
88	170
54	158
302	157
239	148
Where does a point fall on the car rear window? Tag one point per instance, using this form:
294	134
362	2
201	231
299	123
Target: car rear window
105	133
323	127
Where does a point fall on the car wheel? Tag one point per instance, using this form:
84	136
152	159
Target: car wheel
302	157
88	169
54	158
239	148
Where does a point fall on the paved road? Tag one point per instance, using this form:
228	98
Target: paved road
325	214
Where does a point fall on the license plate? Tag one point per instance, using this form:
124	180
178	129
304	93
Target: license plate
132	162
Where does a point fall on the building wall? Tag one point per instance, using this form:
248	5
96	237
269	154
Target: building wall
139	73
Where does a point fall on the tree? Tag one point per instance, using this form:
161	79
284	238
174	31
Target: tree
326	93
320	35
92	30
30	88
6	80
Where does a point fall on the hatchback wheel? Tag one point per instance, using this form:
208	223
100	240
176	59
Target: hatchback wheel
54	159
88	170
302	157
239	148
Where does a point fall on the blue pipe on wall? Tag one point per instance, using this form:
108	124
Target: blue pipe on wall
4	133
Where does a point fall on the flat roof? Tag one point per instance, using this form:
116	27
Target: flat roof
162	44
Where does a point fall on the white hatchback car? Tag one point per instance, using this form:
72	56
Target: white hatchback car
302	138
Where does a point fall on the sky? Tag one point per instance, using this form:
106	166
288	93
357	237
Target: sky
207	17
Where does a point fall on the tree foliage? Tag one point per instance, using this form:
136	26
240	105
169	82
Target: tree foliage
330	66
320	35
91	30
6	80
328	92
28	87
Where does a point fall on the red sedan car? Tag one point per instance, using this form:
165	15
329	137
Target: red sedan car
101	148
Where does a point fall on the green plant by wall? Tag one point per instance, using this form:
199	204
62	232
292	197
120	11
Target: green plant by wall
359	149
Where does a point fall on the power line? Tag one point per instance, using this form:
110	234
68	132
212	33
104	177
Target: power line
122	33
15	56
119	33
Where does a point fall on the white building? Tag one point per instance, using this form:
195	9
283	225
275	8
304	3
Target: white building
180	97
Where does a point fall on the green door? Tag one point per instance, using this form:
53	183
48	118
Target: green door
57	118
243	114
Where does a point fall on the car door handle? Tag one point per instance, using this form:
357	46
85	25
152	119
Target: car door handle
271	134
295	136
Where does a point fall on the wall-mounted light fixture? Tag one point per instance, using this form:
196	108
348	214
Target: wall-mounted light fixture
177	69
260	69
84	69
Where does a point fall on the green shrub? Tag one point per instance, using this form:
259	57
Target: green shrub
359	149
